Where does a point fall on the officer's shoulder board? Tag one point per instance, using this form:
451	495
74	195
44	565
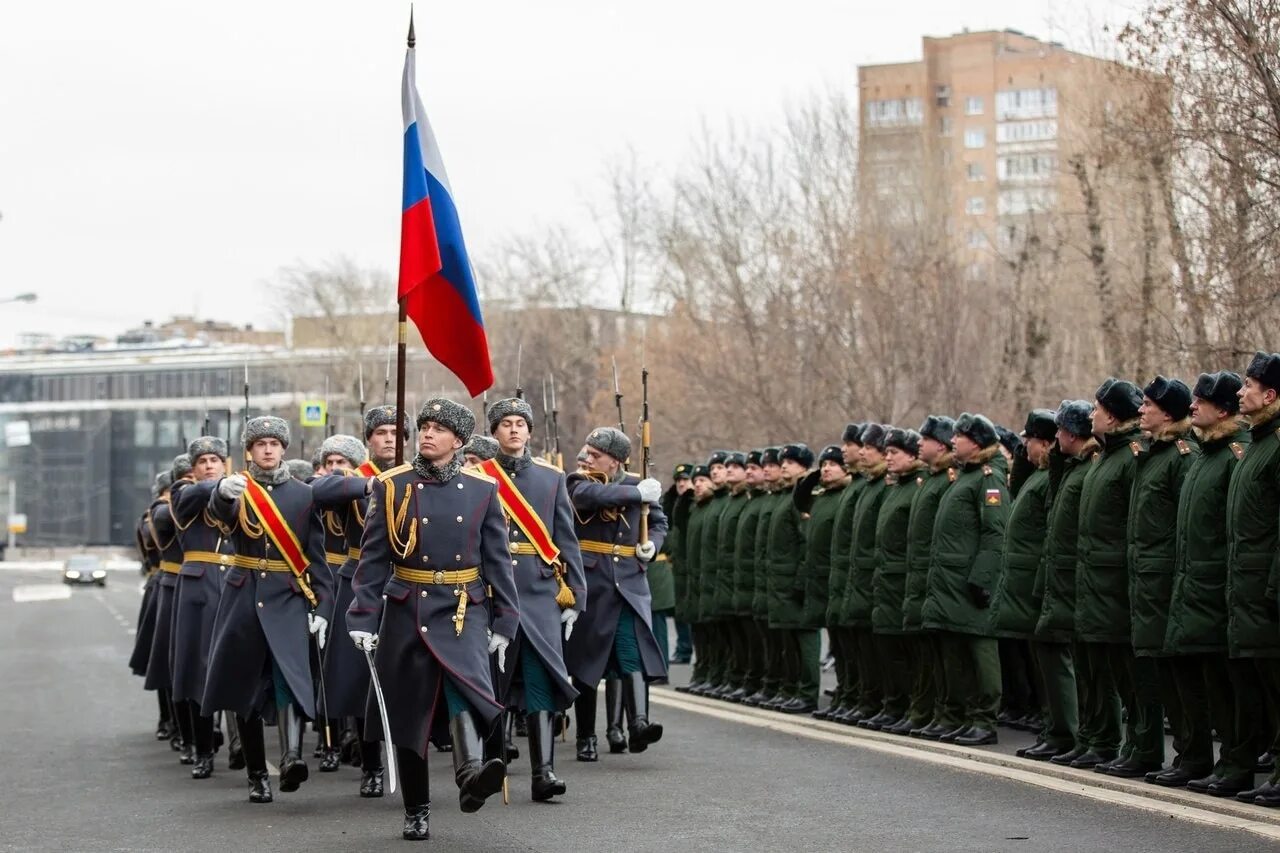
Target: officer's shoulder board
1238	449
478	474
986	470
951	475
1183	447
1136	447
392	472
545	464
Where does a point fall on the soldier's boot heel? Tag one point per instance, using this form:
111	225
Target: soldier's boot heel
293	770
259	787
635	698
416	822
477	779
613	707
546	784
203	768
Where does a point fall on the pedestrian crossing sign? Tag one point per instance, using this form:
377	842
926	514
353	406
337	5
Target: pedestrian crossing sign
313	413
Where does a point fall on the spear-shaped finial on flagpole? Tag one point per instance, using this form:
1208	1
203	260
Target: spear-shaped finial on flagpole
411	38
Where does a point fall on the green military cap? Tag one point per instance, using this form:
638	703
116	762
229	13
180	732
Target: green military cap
683	471
701	471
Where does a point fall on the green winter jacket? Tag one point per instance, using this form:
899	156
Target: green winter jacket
709	554
786	552
776	498
1253	515
818	536
842	550
968	535
1055	586
1102	560
726	570
689	559
1153	539
1015	607
856	610
744	552
1198	603
933	482
889	583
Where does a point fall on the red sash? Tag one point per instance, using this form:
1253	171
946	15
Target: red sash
368	469
282	536
519	511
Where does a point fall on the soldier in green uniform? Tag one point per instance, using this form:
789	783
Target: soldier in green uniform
709	560
1104	667
732	638
1196	632
927	707
968	536
1164	420
889	583
1253	515
689	557
1014	605
797	648
744	566
856	611
662	572
844	701
777	500
1056	647
822	505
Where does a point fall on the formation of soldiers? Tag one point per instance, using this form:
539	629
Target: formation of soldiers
392	607
1114	566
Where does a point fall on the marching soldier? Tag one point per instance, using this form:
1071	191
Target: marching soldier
549	580
928	708
1153	517
968	535
1253	514
1196	634
1104	670
798	649
858	590
164	531
844	701
205	551
888	584
434	594
822	505
146	624
272	596
615	636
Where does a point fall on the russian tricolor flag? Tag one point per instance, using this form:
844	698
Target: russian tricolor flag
436	280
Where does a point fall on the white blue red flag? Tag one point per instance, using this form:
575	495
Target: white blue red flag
436	279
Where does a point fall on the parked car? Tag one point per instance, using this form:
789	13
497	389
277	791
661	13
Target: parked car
84	568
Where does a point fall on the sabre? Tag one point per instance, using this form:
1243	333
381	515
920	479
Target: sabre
324	695
392	775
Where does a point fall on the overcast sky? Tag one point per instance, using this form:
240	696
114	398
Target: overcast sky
160	158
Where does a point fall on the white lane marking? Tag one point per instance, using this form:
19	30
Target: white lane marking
962	758
41	592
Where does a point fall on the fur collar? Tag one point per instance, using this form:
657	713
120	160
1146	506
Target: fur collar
985	455
1264	415
1222	429
943	462
1123	426
876	471
274	477
1173	432
441	474
1090	449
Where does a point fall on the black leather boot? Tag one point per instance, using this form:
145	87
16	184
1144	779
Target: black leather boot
259	786
255	756
542	739
635	699
613	708
203	767
477	779
371	783
415	793
293	769
584	712
508	741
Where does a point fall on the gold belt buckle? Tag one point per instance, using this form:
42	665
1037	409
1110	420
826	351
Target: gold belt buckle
262	564
617	550
438	578
515	547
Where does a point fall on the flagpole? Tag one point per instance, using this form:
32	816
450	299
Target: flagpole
401	335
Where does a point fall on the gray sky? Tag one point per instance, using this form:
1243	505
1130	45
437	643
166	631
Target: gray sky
161	158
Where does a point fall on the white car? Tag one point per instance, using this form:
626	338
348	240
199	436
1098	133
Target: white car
84	568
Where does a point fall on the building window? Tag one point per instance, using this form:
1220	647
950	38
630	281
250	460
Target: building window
1026	167
942	96
1022	201
944	126
1026	131
895	112
973	106
975	172
1026	103
976	239
975	137
144	432
975	206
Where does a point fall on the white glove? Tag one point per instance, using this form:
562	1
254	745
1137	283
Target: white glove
567	618
319	626
233	487
650	490
364	641
645	551
499	643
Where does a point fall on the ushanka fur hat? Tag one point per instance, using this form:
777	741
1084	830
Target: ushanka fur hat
683	471
852	433
769	456
300	469
977	428
1074	416
348	447
265	426
610	440
1221	389
940	428
206	444
482	446
1171	395
1265	368
454	417
906	440
831	453
796	452
1120	398
181	466
1040	424
511	406
384	416
873	435
162	481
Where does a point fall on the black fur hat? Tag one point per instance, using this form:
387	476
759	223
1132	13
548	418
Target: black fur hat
977	428
873	435
853	433
1120	398
1075	416
1220	389
1171	395
832	453
796	452
1265	368
906	440
940	428
769	456
1040	424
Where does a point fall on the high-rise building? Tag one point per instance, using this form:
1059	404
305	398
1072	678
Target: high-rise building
981	130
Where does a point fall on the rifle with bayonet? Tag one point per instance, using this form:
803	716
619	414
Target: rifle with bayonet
519	359
644	447
555	427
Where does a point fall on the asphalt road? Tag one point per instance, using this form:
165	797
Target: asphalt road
81	770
